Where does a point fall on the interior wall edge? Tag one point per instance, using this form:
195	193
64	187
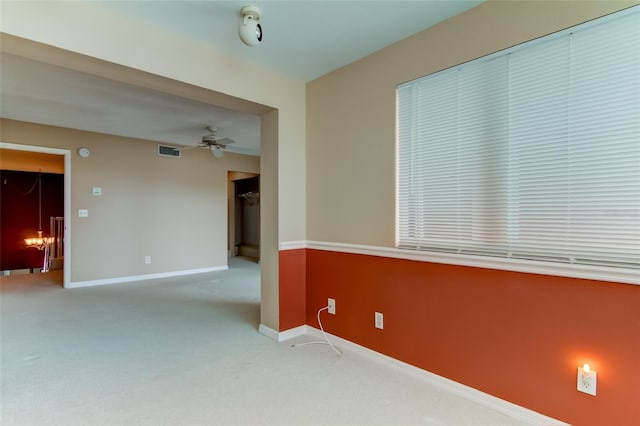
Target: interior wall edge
292	282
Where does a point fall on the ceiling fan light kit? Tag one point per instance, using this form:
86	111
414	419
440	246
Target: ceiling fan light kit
217	151
250	30
214	144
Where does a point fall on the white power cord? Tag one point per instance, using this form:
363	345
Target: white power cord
326	338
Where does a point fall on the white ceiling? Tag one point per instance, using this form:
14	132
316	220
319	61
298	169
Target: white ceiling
47	94
303	39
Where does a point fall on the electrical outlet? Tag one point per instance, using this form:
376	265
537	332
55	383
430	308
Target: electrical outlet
379	320
147	260
332	306
83	213
587	380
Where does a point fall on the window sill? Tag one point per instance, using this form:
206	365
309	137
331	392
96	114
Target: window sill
599	273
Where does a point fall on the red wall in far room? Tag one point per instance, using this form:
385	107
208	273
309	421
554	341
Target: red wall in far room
19	215
513	335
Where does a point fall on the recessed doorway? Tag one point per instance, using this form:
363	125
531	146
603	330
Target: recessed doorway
244	215
35	197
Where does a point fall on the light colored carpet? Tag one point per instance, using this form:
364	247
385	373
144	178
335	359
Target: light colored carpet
186	351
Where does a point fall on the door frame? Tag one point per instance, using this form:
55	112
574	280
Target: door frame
67	198
232	176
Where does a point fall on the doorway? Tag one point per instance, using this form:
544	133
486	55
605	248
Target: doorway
31	202
244	215
51	166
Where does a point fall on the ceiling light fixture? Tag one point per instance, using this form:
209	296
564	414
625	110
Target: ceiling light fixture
40	242
250	29
251	197
217	151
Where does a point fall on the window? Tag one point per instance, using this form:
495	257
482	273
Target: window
530	153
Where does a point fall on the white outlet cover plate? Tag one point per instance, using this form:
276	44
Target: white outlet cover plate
331	303
83	213
379	320
587	381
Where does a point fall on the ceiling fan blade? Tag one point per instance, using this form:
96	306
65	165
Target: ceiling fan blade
194	146
225	141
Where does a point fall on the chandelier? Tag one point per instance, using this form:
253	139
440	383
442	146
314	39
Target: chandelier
39	242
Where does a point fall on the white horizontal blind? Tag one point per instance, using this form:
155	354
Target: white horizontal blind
539	172
533	152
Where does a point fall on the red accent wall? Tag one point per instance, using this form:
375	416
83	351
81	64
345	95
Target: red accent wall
292	288
517	336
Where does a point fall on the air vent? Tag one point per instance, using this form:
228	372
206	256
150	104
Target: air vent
169	151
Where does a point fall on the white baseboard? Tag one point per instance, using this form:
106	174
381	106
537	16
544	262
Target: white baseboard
119	280
522	414
284	335
292	333
268	332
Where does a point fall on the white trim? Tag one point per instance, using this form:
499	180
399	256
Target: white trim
268	332
119	280
66	248
33	148
66	274
601	273
292	333
293	245
282	336
518	412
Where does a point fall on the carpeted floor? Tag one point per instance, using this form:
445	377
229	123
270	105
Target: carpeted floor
186	351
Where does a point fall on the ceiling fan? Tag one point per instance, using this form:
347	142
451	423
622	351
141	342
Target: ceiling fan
214	144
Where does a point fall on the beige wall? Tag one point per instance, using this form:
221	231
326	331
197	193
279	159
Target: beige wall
351	112
174	210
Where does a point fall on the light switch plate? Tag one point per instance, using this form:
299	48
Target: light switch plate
97	191
83	213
